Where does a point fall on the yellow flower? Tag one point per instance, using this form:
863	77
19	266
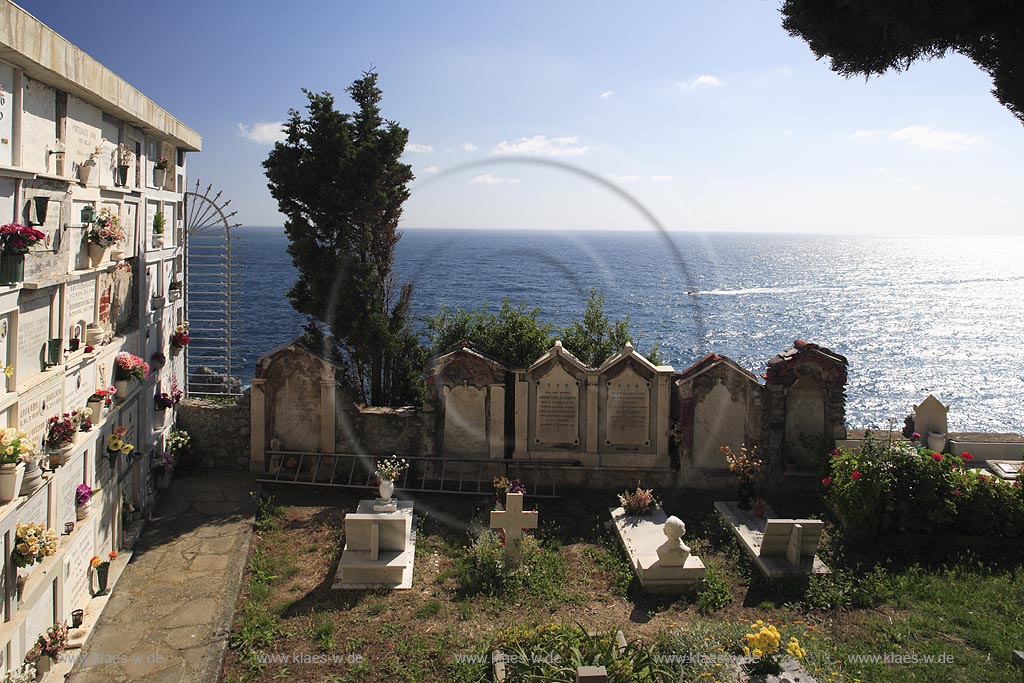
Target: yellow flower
795	650
9	371
127	448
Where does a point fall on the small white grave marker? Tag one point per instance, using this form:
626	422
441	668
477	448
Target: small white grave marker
513	520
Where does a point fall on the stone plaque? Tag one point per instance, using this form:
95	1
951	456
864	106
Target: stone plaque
36	408
79	386
76	568
71	475
40	616
33	333
465	427
557	408
628	409
81	304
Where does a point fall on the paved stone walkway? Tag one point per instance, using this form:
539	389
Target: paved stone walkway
169	615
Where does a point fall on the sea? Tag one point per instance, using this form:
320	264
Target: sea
913	314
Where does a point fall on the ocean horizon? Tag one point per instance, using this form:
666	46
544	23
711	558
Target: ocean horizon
913	314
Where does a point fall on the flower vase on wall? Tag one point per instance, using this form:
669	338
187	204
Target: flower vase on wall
11	477
745	492
84	171
97	254
122	389
159	177
122	175
12	268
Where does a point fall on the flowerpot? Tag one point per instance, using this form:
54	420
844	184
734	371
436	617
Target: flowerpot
33	478
158	241
122	175
744	493
73	344
102	574
97	254
82	510
59	456
84	171
159	177
157	302
117	254
386	488
12	268
55	351
122	389
11	477
43	665
937	441
163	479
97	408
173	294
77	617
42	207
93	334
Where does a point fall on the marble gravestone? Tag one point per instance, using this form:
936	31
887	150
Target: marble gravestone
660	560
628	410
380	549
557	407
513	520
930	421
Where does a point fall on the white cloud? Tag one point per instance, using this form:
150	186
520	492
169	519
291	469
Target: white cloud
705	80
926	137
607	94
263	133
491	179
418	149
788	133
661	178
540	145
628	178
468	147
433	168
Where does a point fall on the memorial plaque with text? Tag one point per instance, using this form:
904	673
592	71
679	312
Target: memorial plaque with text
81	304
557	409
36	408
76	568
628	409
71	475
41	616
33	333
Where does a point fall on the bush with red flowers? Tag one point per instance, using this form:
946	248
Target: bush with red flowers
886	488
16	238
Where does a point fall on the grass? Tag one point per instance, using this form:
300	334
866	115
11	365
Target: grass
924	602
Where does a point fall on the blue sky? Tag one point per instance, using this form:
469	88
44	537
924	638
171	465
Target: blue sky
707	113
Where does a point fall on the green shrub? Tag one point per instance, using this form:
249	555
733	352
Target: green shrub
482	569
714	592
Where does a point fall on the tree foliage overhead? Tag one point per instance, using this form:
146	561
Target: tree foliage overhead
868	37
339	182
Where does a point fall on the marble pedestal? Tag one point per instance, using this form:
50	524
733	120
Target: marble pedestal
641	536
380	549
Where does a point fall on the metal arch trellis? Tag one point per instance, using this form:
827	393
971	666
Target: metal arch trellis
209	294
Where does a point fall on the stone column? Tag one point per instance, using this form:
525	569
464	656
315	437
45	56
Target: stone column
328	395
593	391
496	422
522	415
258	426
664	401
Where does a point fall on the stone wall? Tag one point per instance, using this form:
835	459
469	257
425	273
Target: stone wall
219	431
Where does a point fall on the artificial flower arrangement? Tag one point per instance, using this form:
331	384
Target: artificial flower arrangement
95	155
128	366
50	644
104	395
16	238
15	446
391	468
162	163
164	461
82	419
96	562
117	445
26	673
163	401
744	464
107	230
84	493
125	156
33	543
60	431
504	486
638	502
180	338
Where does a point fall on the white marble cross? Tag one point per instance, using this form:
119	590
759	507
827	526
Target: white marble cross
512	521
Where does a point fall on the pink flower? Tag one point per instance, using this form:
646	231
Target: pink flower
856	475
915	436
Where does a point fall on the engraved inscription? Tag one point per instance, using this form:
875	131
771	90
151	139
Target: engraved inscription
628	410
557	409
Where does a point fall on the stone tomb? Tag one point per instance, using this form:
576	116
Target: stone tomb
780	548
659	560
380	548
930	418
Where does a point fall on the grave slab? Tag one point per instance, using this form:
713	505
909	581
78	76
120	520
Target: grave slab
780	548
380	549
641	537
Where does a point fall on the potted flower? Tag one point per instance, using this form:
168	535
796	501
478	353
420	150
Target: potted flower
180	338
128	366
117	445
179	443
60	436
49	647
158	230
160	167
15	447
15	241
744	465
125	158
83	499
102	570
85	168
101	399
504	486
639	502
163	467
26	673
174	290
106	232
33	543
387	471
163	401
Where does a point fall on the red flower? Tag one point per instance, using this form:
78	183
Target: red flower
827	481
967	456
834	452
957	493
856	475
937	457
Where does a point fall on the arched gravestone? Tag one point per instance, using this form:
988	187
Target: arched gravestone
465	421
805	420
718	420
